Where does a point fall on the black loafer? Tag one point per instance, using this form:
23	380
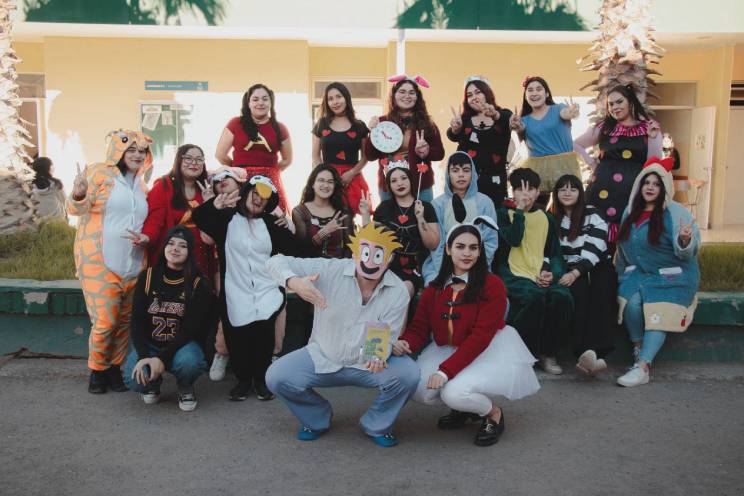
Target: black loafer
456	419
489	431
98	383
115	382
241	392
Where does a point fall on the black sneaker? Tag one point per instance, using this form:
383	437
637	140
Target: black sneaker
98	383
262	392
456	419
115	382
489	431
241	391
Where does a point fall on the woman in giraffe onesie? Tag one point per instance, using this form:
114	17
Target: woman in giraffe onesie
111	200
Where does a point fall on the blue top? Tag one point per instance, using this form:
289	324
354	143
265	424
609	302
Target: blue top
476	204
550	135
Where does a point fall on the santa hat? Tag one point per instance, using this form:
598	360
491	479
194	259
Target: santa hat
662	167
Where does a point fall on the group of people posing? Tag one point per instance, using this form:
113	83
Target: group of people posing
203	260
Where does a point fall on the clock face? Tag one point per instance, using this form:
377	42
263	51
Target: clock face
387	137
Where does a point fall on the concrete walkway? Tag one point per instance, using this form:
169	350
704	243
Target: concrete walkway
681	434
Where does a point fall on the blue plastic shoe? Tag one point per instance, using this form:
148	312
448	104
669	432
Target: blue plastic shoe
307	434
385	441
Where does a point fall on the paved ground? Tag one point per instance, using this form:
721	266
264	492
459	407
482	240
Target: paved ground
682	434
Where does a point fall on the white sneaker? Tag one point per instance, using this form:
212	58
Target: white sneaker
550	365
636	376
219	364
587	362
150	397
187	401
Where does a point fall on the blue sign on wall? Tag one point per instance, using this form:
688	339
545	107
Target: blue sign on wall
177	85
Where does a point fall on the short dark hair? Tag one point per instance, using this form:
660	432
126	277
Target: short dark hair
525	174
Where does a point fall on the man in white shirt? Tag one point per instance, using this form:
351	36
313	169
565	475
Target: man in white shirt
348	294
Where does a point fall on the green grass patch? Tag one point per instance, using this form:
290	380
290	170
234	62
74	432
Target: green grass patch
45	255
722	267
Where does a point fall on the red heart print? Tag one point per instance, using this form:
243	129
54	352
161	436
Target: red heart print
325	132
402	218
472	153
341	155
351	134
468	129
496	158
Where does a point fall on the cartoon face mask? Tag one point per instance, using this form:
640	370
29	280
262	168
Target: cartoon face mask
372	249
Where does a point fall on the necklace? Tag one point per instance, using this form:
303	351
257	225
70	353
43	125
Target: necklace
403	217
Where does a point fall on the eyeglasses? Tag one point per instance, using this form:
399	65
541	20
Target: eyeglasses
193	160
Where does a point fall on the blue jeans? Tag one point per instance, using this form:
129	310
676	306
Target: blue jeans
293	377
187	365
426	195
636	325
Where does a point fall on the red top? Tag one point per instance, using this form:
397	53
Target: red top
161	217
436	152
473	324
263	153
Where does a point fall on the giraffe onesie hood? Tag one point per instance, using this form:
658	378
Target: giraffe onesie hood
107	263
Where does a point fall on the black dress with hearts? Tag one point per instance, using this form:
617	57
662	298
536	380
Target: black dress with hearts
342	150
622	154
488	147
408	260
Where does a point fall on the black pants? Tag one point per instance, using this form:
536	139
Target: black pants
595	310
250	347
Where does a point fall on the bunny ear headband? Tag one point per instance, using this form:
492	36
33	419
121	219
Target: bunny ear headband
418	80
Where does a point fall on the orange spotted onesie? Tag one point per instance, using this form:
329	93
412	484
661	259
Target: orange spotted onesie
107	263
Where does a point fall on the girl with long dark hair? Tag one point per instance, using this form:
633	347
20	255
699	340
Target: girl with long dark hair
170	316
48	191
656	263
322	221
546	128
338	140
589	273
422	143
482	131
474	355
170	202
414	223
627	137
257	139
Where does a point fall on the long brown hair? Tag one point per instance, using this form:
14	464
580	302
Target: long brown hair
577	212
179	201
420	118
655	221
467	111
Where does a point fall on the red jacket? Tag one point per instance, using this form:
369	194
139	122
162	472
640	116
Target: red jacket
161	217
436	152
473	324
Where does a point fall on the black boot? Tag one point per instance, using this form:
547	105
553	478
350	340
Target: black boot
489	431
456	419
98	384
115	382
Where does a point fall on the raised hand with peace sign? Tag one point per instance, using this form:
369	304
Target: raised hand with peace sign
80	184
456	121
685	232
422	147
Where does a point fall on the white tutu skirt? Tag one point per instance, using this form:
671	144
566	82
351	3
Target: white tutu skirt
504	368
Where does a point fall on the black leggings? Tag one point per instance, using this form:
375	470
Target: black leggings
250	347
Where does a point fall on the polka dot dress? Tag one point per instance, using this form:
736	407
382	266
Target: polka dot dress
621	158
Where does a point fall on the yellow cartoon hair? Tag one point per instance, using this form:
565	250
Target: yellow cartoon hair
379	235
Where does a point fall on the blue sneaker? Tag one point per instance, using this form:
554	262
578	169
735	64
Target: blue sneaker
385	440
307	434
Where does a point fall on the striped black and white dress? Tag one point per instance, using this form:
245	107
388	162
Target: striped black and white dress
590	246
